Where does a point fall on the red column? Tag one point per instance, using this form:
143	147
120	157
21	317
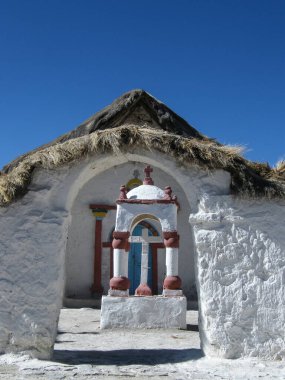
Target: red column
99	211
171	240
120	243
97	287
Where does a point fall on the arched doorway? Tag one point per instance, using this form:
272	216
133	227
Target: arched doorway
144	237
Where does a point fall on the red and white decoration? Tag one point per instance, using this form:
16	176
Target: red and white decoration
143	202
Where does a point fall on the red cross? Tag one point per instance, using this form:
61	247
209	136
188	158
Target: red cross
147	171
148	180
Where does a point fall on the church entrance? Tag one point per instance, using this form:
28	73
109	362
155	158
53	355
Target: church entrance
142	265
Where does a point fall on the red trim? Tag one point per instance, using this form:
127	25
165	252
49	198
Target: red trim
120	240
97	286
122	235
143	290
172	282
170	234
149	226
120	283
171	239
146	201
106	207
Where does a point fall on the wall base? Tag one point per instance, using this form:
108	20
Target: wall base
154	312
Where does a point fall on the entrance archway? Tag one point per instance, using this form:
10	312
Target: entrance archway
81	232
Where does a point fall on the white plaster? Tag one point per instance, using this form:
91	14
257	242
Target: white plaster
241	276
54	218
118	293
120	263
32	247
172	292
171	261
143	312
240	249
165	213
146	192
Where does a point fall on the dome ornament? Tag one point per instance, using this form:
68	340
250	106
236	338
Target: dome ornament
123	193
148	180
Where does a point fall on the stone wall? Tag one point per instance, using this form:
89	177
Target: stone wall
240	261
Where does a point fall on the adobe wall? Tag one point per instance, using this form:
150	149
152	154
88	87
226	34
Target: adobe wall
33	241
240	248
32	247
239	257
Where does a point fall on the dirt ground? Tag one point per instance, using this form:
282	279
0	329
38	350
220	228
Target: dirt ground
83	351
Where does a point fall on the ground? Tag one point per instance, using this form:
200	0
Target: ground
83	351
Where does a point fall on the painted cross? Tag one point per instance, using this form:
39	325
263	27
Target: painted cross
145	240
148	180
148	170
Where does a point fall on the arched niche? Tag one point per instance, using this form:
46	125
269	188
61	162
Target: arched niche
104	188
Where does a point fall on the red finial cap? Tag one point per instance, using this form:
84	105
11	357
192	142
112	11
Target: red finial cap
123	193
148	180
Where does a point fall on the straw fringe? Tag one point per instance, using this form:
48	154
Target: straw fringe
249	179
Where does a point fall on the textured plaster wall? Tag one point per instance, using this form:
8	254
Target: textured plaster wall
32	247
38	237
241	276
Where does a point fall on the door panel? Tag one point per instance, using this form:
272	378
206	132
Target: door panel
134	271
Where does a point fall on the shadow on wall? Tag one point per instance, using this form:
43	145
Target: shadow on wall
127	357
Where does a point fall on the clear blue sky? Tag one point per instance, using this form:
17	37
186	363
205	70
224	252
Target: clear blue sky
220	64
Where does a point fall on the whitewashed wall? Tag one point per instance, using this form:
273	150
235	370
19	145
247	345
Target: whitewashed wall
241	276
33	239
240	255
32	247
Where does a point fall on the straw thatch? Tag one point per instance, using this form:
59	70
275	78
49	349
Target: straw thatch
249	179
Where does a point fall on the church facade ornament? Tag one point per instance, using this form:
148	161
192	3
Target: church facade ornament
151	200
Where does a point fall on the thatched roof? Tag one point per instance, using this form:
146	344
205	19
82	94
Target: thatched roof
137	120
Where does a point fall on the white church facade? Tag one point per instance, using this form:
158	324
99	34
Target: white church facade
221	239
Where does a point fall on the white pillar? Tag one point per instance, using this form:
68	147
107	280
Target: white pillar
120	257
126	264
171	261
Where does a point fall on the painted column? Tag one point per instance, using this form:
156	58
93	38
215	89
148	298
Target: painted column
97	288
172	282
120	284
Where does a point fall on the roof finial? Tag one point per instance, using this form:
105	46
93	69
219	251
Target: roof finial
123	193
148	180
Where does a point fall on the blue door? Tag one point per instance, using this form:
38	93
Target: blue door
135	261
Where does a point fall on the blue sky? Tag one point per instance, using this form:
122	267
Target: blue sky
220	64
